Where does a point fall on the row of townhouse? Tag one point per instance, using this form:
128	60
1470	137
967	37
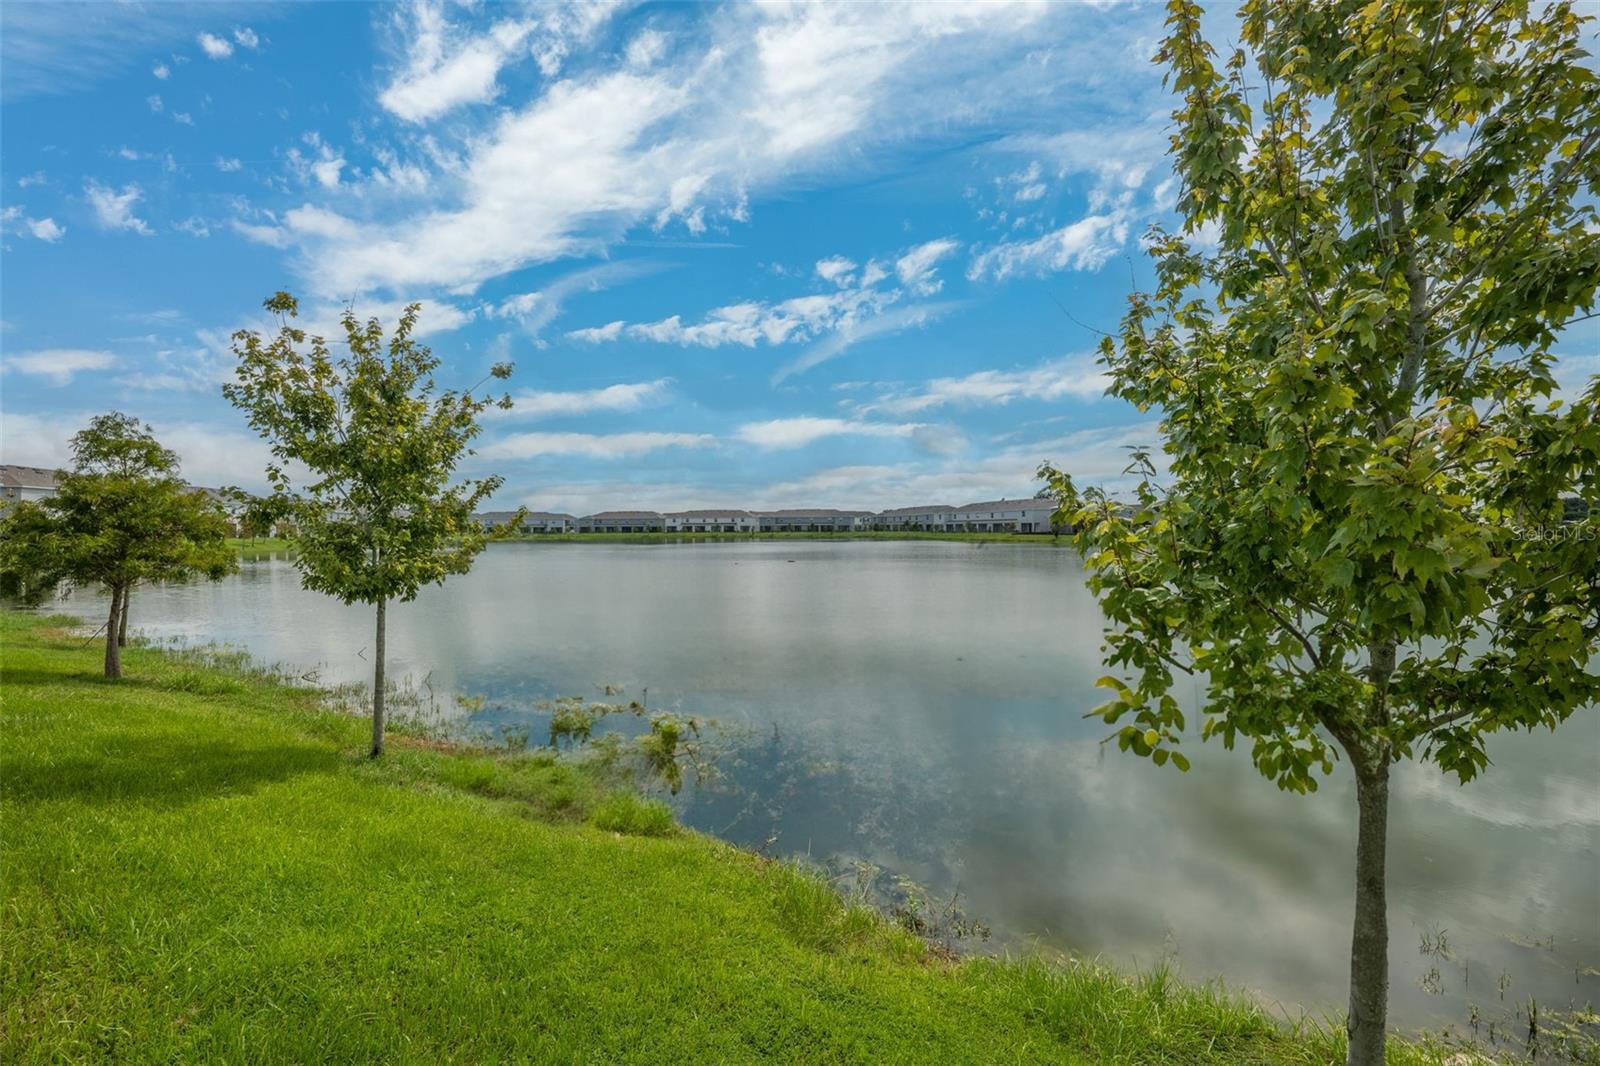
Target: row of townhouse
20	483
992	516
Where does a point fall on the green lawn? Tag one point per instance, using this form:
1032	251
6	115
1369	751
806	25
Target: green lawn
198	866
653	538
252	545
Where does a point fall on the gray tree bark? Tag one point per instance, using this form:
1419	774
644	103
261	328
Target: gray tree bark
113	650
122	620
377	689
1369	945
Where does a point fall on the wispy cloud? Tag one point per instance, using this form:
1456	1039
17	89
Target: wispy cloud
798	432
767	94
916	267
215	47
566	404
536	310
1075	377
448	66
1082	245
14	220
852	333
59	365
592	445
114	209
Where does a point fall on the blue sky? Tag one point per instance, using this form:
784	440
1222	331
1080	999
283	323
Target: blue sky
758	255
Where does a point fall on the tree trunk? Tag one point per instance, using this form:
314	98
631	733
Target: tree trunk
113	650
122	618
377	689
1369	946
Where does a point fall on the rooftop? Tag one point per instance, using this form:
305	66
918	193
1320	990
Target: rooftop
930	509
1007	505
27	477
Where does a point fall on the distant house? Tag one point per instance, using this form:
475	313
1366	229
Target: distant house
1004	516
813	520
18	483
622	522
532	522
713	521
933	517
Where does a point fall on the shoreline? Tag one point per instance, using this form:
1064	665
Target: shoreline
264	545
191	736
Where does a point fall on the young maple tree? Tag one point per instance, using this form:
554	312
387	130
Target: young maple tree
1359	540
377	518
122	515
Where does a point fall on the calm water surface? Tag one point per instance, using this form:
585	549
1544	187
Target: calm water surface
920	705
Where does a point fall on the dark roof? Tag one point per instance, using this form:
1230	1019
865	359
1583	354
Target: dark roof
1007	505
505	516
623	514
27	477
919	510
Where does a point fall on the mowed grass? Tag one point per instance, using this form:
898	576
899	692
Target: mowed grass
864	534
199	866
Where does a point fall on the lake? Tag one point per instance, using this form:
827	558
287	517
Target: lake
919	705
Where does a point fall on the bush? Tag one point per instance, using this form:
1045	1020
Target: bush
623	812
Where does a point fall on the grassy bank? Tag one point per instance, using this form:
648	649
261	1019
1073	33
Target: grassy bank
198	865
654	538
253	545
269	545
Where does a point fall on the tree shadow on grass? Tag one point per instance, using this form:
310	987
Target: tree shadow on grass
170	770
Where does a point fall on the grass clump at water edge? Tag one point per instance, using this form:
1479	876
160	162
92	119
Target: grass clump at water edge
199	865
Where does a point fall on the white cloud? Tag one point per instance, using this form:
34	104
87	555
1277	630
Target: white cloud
916	267
1082	245
1094	457
854	332
612	398
837	269
591	445
228	166
246	37
776	92
536	310
161	71
154	102
207	454
798	432
1079	377
598	334
58	365
14	220
46	229
272	236
183	118
1026	186
835	319
645	49
214	46
323	165
449	66
114	209
753	322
